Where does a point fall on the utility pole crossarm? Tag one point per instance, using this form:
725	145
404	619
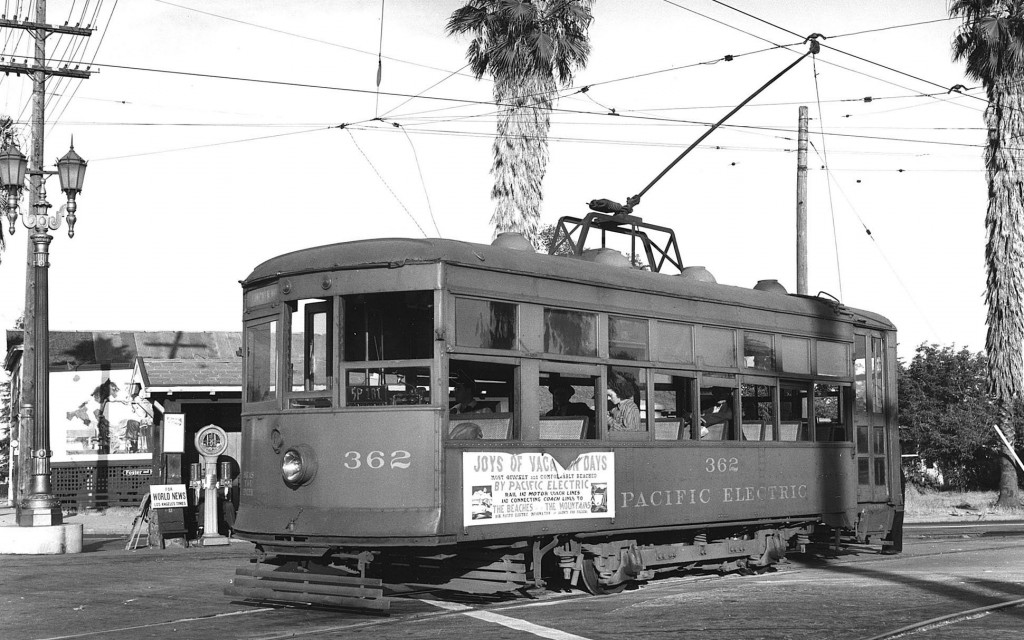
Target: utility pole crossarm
24	68
25	24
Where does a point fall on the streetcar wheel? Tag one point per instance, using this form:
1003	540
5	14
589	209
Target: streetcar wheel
591	583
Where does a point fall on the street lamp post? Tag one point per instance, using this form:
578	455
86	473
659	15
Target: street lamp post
40	507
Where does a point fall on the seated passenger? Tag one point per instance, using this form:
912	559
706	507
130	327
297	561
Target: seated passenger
465	400
720	411
466	431
624	415
561	396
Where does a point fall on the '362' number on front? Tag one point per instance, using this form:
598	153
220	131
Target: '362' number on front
377	460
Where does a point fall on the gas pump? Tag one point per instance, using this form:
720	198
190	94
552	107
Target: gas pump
211	441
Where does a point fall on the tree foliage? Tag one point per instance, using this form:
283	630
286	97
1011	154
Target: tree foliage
946	415
990	42
528	48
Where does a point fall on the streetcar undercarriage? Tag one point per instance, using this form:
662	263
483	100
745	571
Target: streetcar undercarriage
608	563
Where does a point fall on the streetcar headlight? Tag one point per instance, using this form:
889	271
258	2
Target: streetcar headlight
298	466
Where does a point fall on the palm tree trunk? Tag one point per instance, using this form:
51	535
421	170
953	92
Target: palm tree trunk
1005	264
520	154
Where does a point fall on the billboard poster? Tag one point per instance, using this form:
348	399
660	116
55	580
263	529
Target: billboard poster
502	488
94	417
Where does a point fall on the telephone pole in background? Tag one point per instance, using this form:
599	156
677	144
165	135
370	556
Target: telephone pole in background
801	204
33	425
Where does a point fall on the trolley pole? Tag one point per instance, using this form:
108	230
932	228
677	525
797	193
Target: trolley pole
801	204
37	505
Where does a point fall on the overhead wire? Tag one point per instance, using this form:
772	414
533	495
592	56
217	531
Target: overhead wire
385	182
828	182
296	35
99	45
878	247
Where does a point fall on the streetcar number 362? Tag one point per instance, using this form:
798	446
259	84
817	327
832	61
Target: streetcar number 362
721	465
377	460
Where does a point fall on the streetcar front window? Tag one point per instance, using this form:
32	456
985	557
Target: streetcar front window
387	386
261	362
389	326
311	350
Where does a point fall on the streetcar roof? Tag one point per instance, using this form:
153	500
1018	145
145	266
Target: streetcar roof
390	253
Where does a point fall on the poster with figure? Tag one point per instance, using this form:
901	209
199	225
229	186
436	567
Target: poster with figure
501	488
94	417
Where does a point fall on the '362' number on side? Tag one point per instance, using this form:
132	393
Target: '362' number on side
721	465
377	460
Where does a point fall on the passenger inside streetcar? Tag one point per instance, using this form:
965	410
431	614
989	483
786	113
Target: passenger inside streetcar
624	415
465	397
562	405
716	415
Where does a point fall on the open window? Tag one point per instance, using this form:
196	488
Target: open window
627	403
388	348
261	361
673	406
482	400
718	415
567	402
796	420
758	411
311	350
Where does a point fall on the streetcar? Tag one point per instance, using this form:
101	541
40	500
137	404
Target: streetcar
405	421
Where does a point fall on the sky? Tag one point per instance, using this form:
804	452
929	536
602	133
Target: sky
213	131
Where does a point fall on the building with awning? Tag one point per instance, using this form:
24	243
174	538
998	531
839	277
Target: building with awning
110	393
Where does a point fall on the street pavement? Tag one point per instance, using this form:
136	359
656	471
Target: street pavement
109	593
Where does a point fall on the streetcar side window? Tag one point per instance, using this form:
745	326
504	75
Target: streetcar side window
758	410
830	410
795	419
482	400
717	414
674	342
758	351
485	324
628	338
571	333
566	404
716	347
627	399
261	362
673	407
389	326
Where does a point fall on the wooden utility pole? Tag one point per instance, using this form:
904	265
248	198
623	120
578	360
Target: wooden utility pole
35	356
801	204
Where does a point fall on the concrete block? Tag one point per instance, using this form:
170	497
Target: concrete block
52	540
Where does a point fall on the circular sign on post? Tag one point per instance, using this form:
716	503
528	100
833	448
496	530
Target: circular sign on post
211	441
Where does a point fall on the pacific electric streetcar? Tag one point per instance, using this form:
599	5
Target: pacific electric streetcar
485	418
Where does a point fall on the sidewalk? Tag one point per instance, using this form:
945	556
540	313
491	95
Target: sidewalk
108	530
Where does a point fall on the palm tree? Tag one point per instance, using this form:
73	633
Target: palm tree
990	41
528	48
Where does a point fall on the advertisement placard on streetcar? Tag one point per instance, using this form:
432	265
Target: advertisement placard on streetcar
500	488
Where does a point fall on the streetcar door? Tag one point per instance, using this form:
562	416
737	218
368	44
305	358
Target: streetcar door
870	389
